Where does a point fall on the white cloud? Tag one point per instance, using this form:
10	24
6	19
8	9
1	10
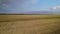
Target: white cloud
54	8
57	7
6	5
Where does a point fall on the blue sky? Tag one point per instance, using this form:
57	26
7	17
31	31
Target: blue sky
27	5
41	4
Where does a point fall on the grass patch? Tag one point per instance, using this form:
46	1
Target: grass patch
8	18
43	26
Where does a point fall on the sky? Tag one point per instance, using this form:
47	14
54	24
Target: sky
19	6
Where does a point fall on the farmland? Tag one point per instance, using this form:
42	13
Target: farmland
29	24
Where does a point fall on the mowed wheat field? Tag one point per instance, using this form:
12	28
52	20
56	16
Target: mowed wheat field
29	24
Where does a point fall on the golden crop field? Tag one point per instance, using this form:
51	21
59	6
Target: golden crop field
26	17
29	24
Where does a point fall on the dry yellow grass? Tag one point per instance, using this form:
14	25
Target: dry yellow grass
36	26
26	17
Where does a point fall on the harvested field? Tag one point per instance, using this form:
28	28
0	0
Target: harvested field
29	24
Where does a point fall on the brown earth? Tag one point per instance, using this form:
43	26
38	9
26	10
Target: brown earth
37	26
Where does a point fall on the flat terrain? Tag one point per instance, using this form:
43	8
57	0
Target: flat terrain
29	24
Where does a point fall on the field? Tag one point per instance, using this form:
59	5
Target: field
29	24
